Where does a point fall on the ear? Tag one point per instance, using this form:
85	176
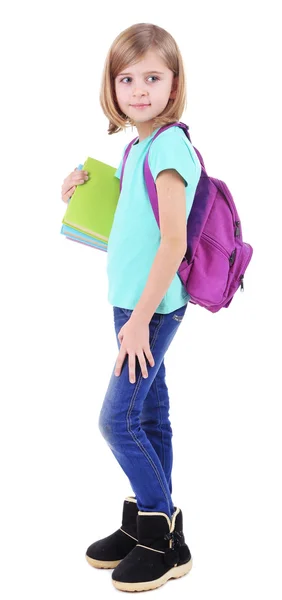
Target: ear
174	88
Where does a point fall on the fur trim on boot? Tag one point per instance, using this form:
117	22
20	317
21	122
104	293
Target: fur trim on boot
160	554
109	551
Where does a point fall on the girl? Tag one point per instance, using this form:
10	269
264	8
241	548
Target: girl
143	85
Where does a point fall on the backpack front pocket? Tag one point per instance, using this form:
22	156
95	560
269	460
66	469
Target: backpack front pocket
210	271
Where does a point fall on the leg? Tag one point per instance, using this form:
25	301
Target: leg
155	422
119	420
154	419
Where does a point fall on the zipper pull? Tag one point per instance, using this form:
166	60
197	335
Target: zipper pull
241	283
232	258
237	230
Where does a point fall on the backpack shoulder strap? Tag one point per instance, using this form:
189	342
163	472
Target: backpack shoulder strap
125	159
182	125
149	180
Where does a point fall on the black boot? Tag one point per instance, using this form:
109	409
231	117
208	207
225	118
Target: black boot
108	552
159	555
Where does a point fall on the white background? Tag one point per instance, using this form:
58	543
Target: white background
61	487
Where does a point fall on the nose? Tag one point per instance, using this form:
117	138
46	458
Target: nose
138	95
138	91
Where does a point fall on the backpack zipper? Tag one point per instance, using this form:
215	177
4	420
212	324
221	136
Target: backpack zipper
231	204
218	246
232	258
237	230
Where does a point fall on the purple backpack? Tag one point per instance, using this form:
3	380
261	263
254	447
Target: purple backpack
216	258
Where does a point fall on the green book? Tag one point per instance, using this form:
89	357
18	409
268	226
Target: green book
92	206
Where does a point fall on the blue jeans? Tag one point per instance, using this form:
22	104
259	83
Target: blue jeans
134	418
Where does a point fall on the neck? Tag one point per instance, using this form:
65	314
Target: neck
144	130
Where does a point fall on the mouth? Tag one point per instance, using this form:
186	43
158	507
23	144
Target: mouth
139	105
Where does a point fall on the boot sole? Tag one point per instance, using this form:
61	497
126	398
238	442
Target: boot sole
102	564
143	586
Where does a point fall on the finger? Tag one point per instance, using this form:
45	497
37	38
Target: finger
68	189
74	180
68	186
143	365
76	176
79	176
120	334
131	367
81	170
119	362
68	194
150	357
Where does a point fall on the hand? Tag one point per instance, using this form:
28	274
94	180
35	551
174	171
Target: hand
134	338
76	177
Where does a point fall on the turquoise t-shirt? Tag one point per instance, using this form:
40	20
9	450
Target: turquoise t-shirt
135	236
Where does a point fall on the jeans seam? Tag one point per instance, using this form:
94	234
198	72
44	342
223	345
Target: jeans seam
154	467
160	412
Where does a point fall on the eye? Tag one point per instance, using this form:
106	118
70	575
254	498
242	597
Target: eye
150	76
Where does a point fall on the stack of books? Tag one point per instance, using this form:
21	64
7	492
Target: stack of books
90	212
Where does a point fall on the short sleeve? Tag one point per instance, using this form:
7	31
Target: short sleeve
118	171
172	150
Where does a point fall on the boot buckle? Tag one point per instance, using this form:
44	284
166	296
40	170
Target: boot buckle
175	536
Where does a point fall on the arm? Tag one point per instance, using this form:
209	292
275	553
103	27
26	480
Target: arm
172	213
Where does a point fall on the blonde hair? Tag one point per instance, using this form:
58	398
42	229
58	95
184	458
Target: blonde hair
129	47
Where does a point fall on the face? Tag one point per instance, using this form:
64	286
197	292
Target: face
143	91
